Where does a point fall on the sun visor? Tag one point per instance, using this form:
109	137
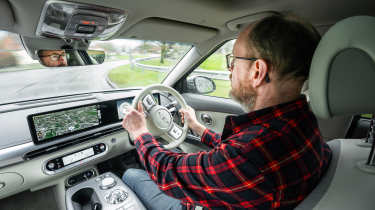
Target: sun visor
239	23
169	30
7	18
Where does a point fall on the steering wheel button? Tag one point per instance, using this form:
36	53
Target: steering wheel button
175	132
148	102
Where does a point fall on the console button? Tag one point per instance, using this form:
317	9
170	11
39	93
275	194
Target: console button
96	206
89	174
102	147
51	166
72	181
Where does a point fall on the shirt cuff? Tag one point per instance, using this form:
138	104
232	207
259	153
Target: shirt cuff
143	138
204	135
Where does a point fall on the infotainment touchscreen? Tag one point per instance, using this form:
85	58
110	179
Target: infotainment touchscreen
50	125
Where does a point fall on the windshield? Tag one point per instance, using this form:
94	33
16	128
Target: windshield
129	63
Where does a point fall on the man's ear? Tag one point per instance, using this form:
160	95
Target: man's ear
261	70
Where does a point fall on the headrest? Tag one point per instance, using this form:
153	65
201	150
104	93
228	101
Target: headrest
342	73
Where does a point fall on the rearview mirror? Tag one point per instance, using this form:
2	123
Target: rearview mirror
59	58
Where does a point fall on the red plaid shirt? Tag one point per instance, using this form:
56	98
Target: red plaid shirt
266	159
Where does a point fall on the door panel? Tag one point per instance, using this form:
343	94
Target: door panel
207	107
213	104
212	111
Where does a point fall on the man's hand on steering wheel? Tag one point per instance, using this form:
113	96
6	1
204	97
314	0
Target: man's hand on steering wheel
188	115
134	121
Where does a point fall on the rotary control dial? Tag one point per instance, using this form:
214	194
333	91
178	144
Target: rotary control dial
116	196
107	183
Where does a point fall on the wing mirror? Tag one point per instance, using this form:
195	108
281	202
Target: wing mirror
59	58
200	85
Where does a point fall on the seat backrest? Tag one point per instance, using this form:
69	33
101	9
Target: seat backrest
330	128
341	84
313	199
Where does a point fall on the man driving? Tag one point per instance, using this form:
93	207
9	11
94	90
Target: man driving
53	58
269	158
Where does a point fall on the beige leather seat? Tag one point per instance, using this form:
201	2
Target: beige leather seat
330	128
341	83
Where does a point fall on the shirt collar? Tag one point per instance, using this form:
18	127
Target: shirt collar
262	116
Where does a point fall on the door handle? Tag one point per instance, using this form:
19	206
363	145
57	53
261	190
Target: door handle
206	119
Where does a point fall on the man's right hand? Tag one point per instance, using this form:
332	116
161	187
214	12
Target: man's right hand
188	115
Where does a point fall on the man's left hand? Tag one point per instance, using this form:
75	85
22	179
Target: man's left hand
134	121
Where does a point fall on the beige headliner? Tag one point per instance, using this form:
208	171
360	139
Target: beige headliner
206	18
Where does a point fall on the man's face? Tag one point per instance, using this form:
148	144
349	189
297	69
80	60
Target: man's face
241	83
53	58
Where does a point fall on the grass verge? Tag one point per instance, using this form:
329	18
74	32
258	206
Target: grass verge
125	76
156	62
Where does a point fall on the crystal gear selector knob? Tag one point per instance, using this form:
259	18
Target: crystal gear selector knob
107	183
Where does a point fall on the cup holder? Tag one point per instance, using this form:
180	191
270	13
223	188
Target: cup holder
105	192
86	199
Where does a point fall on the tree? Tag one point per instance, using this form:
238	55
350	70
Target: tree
164	48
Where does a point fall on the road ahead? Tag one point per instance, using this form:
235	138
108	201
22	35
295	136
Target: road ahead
57	81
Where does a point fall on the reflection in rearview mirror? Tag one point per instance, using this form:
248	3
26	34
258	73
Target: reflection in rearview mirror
58	58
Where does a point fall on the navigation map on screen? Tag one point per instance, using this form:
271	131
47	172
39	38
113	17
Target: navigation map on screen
64	122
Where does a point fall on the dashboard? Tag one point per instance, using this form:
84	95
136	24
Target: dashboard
45	141
30	129
52	125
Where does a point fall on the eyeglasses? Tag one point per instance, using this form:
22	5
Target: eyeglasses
230	63
231	58
55	57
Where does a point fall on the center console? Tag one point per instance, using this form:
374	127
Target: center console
104	192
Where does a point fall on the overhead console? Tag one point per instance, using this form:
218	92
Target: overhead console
79	21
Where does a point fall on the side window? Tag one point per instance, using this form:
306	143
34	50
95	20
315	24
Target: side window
215	67
13	57
368	116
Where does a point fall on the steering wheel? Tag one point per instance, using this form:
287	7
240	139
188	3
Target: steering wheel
159	119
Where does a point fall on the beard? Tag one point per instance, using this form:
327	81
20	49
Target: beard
245	96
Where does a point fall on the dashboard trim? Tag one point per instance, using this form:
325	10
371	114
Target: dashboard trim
70	166
15	154
17	151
